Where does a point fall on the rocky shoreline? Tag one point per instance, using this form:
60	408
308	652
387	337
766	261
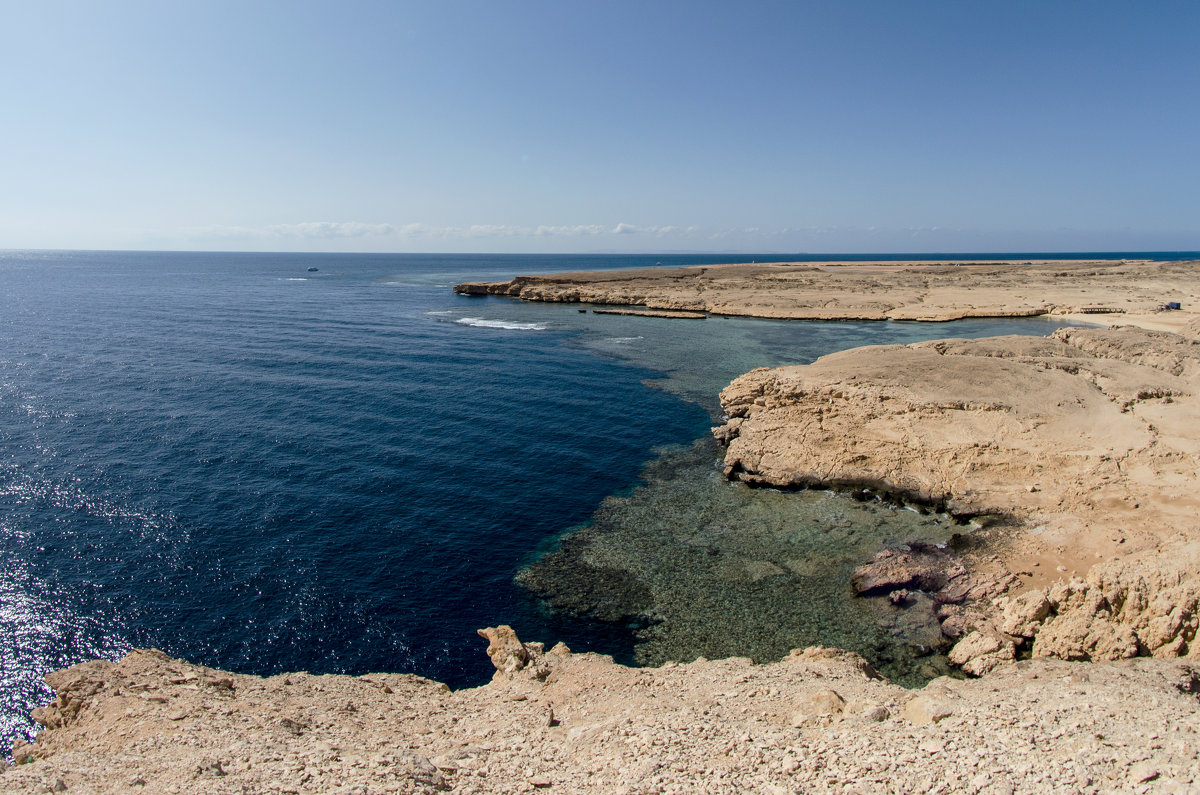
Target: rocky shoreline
1083	444
1081	448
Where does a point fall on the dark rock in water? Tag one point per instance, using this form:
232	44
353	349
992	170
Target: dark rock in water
914	566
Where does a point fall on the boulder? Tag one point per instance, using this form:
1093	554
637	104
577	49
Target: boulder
981	651
1024	614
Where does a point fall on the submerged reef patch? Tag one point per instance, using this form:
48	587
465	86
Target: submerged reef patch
698	566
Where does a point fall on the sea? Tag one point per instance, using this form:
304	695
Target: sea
333	463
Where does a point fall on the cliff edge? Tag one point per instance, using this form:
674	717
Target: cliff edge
819	720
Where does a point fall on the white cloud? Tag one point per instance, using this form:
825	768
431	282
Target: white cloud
316	230
308	230
657	231
578	229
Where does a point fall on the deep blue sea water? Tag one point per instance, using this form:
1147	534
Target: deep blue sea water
261	467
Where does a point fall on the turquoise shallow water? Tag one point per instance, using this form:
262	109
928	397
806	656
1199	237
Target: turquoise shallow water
261	467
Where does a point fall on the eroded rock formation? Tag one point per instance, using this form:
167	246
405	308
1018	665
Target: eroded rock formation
1087	441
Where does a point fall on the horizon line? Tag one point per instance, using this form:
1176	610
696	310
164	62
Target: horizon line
1043	254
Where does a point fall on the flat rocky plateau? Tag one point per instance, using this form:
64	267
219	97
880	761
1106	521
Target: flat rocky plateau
1102	291
1075	598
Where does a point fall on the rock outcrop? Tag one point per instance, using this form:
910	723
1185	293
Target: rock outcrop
819	720
1120	609
1086	441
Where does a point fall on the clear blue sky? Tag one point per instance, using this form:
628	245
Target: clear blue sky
634	126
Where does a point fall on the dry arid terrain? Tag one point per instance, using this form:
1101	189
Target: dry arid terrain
1103	291
1075	598
817	721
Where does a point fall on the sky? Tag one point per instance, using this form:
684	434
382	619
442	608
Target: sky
649	126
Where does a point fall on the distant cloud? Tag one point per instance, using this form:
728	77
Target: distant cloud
579	229
542	230
309	230
657	231
314	230
499	230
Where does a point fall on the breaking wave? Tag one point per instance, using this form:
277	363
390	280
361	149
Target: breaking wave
510	325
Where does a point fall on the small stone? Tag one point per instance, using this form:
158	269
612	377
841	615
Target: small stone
58	786
822	704
926	709
932	746
876	714
541	782
1143	772
22	752
137	781
211	769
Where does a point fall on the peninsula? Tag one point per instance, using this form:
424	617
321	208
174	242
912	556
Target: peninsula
1097	290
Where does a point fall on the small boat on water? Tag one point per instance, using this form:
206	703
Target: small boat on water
312	270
